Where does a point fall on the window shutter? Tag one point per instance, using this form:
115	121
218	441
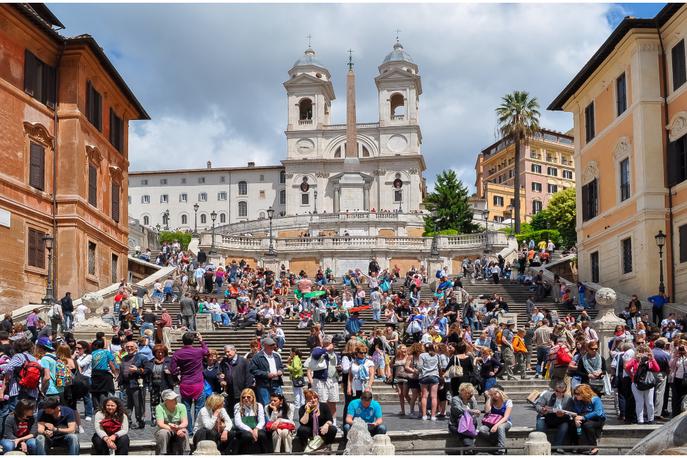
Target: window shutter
683	243
31	251
92	185
29	73
36	249
585	204
89	101
49	86
112	128
115	202
37	166
98	107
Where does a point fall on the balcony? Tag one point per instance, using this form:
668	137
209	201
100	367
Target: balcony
305	122
397	117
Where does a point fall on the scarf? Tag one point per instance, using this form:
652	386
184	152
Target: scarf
592	364
316	422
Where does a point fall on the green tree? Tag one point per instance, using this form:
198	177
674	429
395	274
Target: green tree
449	206
540	221
184	238
518	119
562	215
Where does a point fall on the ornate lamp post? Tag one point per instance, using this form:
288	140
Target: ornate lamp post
195	226
270	215
434	252
49	290
485	213
511	210
660	243
315	197
213	217
165	219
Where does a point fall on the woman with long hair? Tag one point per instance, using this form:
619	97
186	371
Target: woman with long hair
497	421
249	424
464	402
464	359
213	423
83	359
161	377
315	420
413	372
642	363
111	429
280	423
400	377
361	375
429	373
590	417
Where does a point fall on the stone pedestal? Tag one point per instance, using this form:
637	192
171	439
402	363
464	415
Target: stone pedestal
434	264
606	320
381	445
204	322
537	444
271	263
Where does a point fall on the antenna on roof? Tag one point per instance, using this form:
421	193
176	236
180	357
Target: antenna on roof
397	32
350	60
309	37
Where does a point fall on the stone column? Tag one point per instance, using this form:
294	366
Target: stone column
537	444
606	320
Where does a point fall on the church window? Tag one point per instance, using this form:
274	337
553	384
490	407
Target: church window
261	215
282	197
365	151
203	219
146	220
398	195
305	109
262	194
203	197
184	220
243	208
222	218
397	105
305	198
282	177
243	188
337	153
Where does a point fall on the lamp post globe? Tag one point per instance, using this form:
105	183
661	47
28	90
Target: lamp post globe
660	243
195	224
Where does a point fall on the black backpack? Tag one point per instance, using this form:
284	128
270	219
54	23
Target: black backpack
644	378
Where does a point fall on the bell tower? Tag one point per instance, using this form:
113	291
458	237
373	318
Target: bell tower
399	89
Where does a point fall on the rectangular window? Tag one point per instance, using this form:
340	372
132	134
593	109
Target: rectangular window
398	195
93	185
590	197
262	177
36	249
183	181
627	255
201	180
568	174
589	122
94	106
498	201
39	79
145	199
536	187
115	202
262	194
243	208
625	179
683	242
552	171
163	181
116	131
679	71
113	268
536	206
91	258
222	195
282	197
222	179
37	166
677	161
305	199
536	168
144	182
202	197
621	94
594	264
164	198
183	197
552	188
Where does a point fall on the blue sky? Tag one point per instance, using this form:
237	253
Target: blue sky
210	75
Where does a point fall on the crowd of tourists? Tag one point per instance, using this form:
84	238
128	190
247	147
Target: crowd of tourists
445	352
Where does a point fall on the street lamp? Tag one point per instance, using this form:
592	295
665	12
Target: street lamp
213	217
435	248
510	212
660	243
49	290
485	213
270	215
165	219
315	196
195	227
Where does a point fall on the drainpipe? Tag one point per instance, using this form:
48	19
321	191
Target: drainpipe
671	239
54	170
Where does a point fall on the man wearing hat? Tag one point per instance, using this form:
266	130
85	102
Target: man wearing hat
267	369
172	423
48	361
507	354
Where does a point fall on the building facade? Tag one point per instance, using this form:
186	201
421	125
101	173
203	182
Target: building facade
546	167
64	113
629	105
380	172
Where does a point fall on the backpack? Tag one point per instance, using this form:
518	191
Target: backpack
29	374
438	274
63	376
562	357
644	378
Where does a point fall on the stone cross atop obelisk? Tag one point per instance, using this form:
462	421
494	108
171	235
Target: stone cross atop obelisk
351	127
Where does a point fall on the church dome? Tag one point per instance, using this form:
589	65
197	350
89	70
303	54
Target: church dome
309	59
398	55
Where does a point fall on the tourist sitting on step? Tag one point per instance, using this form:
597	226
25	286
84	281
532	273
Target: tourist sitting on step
551	413
497	418
369	410
464	404
56	427
315	421
213	423
249	435
111	429
280	425
589	421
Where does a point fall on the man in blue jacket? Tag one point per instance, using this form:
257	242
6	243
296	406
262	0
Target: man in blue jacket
267	369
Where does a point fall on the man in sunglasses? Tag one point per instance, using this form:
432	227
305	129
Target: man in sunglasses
550	415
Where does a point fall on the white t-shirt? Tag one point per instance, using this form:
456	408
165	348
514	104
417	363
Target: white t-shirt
271	362
358	385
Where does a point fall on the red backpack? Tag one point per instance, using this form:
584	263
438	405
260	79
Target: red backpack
30	374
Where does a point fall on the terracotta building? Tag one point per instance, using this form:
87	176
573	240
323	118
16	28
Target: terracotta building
64	113
546	167
629	104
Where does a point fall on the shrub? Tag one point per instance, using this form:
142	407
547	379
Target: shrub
184	238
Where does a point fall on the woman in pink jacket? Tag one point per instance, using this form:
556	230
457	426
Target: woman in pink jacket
642	369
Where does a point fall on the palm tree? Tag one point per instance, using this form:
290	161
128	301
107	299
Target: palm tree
518	118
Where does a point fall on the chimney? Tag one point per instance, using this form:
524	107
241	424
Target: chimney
251	164
209	164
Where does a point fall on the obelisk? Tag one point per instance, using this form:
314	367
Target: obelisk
351	128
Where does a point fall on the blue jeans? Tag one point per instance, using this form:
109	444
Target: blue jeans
559	424
88	403
542	356
489	383
8	446
263	393
198	404
71	441
376	314
68	320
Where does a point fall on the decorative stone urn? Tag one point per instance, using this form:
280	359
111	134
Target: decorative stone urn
606	320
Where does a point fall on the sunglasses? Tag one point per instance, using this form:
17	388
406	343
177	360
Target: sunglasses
246	397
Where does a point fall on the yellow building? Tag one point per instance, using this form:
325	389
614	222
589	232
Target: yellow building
546	167
629	104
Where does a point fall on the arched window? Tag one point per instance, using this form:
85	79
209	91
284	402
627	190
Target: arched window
222	218
261	215
146	221
364	151
305	109
282	197
337	153
243	208
184	220
203	219
243	188
282	177
165	219
397	106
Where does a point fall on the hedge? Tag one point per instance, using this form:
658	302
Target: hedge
538	236
184	238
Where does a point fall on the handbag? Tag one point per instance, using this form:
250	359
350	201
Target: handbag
491	419
466	425
314	444
456	370
281	425
299	382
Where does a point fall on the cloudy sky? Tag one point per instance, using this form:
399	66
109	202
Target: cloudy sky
211	75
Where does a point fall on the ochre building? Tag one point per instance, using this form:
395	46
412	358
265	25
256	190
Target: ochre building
64	114
629	104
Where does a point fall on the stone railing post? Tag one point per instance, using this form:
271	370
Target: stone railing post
381	445
606	320
537	444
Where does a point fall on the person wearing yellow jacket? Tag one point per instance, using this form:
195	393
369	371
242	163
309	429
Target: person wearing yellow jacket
521	353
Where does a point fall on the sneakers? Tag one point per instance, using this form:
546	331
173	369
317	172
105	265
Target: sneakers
88	419
425	418
433	418
81	430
